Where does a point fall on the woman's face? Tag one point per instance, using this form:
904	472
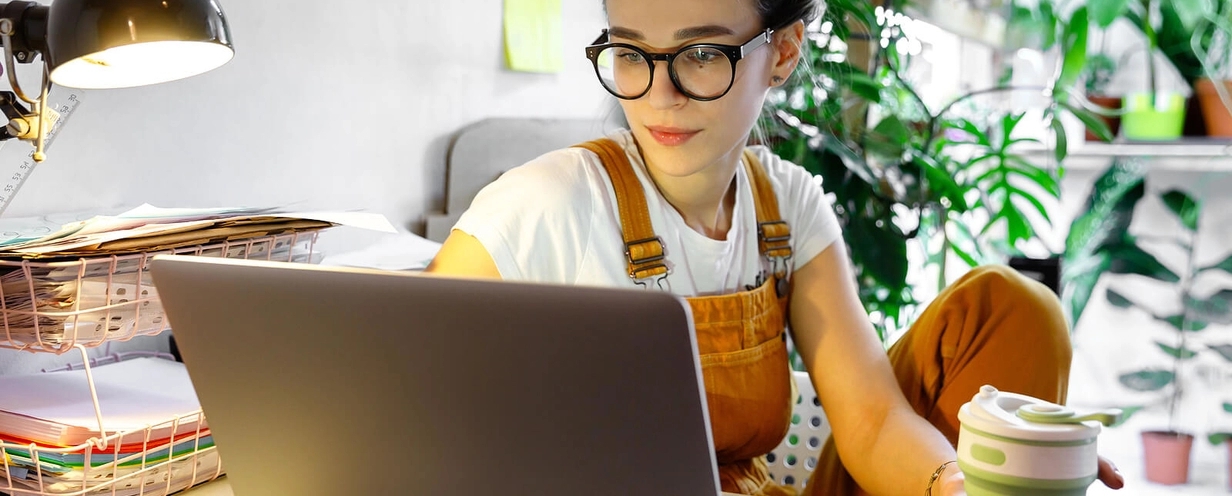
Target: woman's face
680	136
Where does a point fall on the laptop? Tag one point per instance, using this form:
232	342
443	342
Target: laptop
326	381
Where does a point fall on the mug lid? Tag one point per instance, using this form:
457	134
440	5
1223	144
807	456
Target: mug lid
996	412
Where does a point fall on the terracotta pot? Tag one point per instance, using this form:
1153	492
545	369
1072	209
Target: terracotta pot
1112	103
1229	444
1217	117
1167	456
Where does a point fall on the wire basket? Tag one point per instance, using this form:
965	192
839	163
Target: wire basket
54	306
157	460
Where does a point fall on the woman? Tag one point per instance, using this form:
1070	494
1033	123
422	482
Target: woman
676	203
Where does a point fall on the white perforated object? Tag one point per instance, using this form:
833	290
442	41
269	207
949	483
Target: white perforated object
794	459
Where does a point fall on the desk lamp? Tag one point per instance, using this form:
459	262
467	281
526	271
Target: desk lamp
95	44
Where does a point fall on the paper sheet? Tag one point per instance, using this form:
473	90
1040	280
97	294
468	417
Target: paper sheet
404	251
533	40
55	408
143	227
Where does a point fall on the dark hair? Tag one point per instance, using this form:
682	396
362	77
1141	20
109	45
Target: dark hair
777	14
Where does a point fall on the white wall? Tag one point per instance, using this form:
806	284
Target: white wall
335	105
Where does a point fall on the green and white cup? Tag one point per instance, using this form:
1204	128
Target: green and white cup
1001	453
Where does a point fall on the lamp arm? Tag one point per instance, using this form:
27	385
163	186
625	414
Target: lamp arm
6	36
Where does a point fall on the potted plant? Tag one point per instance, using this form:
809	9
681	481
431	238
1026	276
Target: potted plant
1154	114
1096	77
1100	243
1211	44
903	174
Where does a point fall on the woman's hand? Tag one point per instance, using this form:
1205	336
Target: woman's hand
951	482
1109	475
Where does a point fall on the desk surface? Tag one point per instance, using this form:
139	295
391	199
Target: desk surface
222	487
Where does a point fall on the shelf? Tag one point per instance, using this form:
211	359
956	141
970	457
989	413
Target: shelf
1188	154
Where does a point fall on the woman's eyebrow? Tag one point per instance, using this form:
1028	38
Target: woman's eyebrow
683	34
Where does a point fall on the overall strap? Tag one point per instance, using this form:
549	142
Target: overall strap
643	249
773	234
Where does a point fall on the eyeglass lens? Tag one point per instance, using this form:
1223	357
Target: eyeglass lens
701	72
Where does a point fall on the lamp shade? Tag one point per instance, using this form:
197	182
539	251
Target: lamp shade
125	43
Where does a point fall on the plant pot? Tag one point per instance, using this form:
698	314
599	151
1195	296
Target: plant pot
1217	117
1163	120
1166	455
1111	103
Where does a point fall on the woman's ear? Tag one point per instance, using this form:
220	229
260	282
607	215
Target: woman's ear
787	50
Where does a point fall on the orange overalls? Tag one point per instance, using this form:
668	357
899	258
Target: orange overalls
980	330
741	336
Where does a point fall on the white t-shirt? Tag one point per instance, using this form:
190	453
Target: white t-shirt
555	220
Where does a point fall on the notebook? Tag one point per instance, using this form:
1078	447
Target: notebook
56	408
326	380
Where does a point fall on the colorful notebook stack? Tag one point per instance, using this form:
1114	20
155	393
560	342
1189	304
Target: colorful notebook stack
153	438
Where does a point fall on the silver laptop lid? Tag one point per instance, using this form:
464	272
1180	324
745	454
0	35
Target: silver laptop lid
327	381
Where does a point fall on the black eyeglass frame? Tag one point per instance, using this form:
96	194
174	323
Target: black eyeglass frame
734	54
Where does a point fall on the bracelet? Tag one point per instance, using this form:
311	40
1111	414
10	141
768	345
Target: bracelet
936	475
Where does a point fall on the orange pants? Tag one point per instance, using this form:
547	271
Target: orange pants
993	326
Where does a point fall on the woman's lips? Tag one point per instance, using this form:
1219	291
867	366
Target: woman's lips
671	136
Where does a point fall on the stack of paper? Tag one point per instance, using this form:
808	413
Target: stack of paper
85	281
138	398
148	228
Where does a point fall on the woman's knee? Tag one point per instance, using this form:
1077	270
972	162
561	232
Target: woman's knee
1023	302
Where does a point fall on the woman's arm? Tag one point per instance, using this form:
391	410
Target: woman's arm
463	255
883	443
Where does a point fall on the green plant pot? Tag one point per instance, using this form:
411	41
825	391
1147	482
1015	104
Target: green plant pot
1162	121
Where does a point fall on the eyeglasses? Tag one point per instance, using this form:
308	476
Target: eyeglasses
703	72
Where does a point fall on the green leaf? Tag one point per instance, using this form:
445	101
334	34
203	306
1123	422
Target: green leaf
1147	380
852	160
889	252
1189	12
1216	309
1040	177
889	138
1030	198
1109	209
852	78
1185	208
1225	265
1077	289
1128	258
1177	353
1092	121
1118	300
1225	351
1219	437
1008	123
1105	12
1227	407
980	136
941	182
1191	324
1074	48
1062	148
962	254
1048	18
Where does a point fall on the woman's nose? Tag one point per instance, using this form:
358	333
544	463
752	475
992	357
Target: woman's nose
663	92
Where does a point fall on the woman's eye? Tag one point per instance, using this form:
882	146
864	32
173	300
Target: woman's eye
702	56
630	57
